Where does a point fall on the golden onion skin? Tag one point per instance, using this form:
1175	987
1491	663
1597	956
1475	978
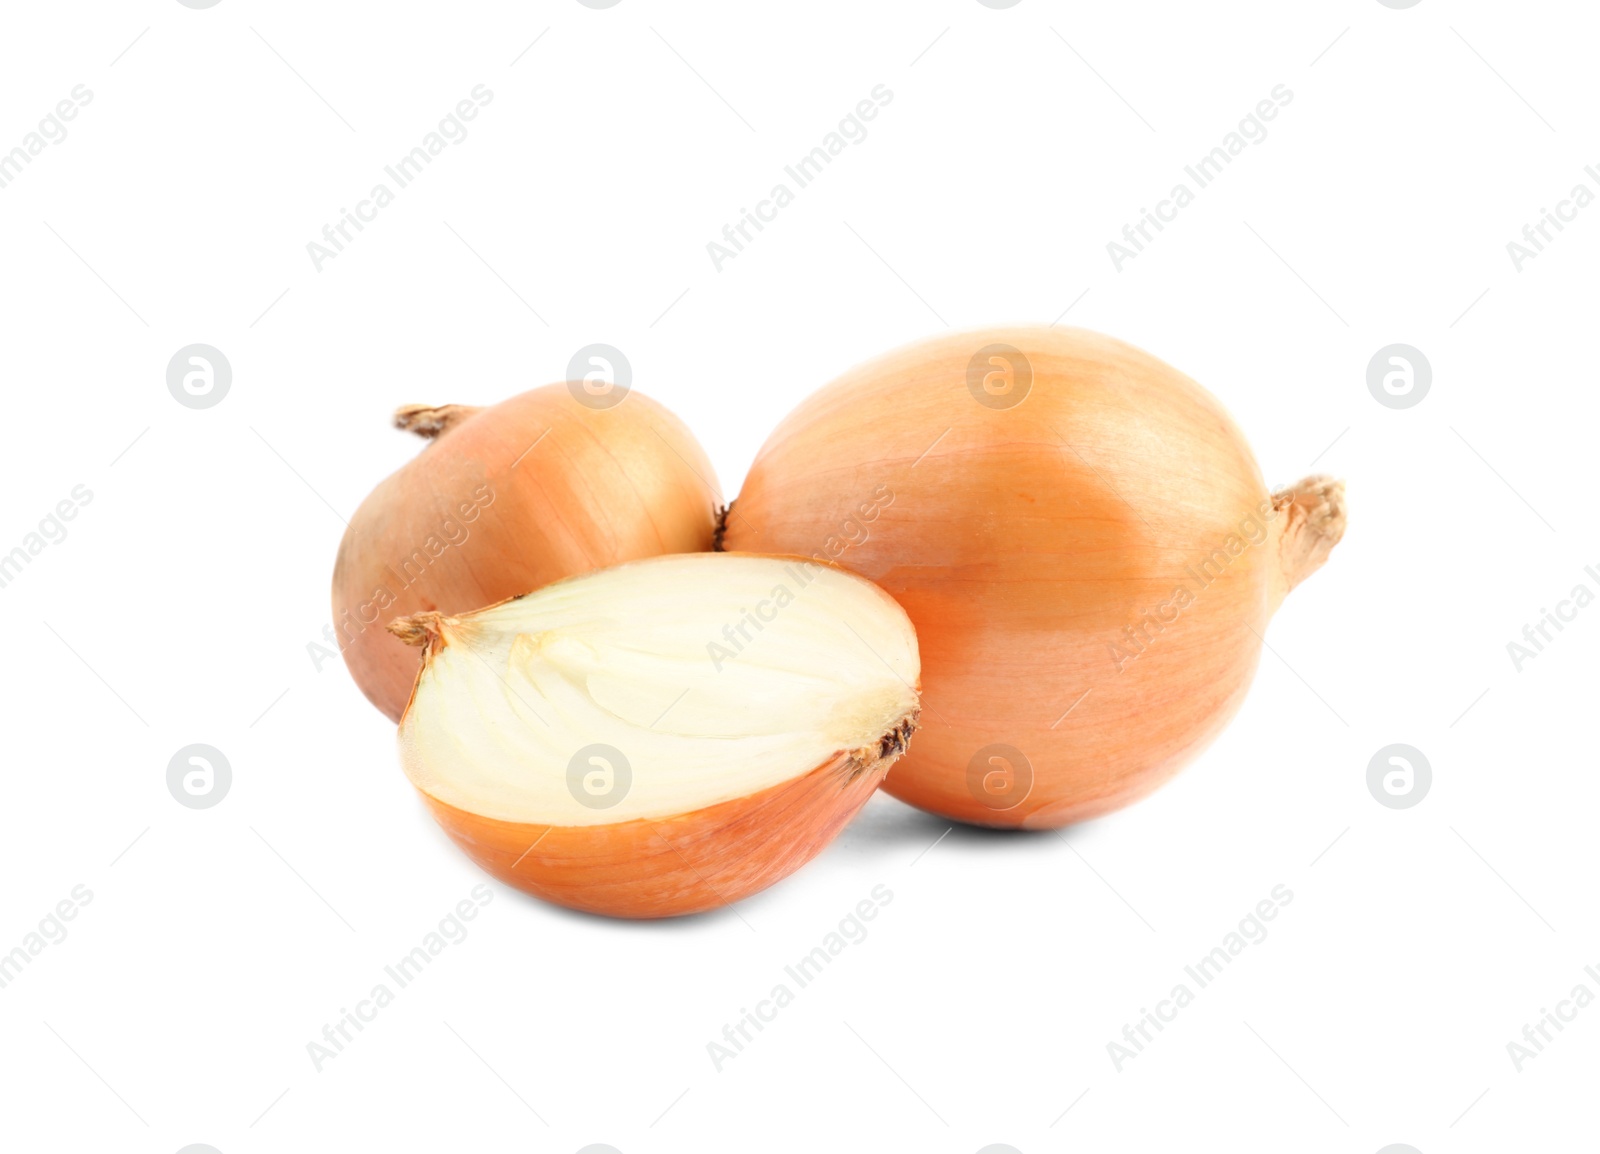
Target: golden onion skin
1082	538
685	864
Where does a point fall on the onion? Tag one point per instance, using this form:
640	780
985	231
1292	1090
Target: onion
508	499
662	737
1080	535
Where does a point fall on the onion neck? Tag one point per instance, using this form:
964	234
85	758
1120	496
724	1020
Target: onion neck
421	629
1309	523
429	421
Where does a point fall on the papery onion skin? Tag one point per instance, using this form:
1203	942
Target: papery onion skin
1031	541
679	865
505	500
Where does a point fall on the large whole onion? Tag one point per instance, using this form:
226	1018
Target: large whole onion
1082	539
505	500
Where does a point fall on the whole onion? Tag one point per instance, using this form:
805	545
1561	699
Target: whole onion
1080	535
505	500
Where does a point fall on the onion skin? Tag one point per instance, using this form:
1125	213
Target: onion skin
1032	544
685	864
504	501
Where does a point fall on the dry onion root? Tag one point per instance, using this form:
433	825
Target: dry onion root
662	737
1080	535
508	499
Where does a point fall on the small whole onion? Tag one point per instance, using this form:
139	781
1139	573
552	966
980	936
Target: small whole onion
505	500
1080	535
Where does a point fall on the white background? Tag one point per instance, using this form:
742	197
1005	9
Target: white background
1018	143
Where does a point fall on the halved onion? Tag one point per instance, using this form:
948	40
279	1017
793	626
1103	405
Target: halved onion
662	737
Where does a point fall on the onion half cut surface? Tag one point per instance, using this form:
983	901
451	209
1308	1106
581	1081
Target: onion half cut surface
663	737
